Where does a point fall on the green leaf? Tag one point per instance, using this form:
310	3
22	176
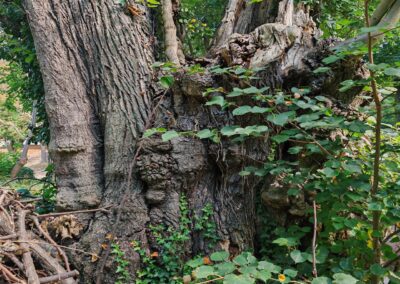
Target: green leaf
217	100
377	270
219	256
167	81
392	72
152	131
321	70
205	133
331	59
290	272
244	258
280	138
225	268
282	118
287	242
194	263
321	280
242	110
263	275
295	150
342	278
204	271
238	279
268	266
374	206
298	256
329	172
169	135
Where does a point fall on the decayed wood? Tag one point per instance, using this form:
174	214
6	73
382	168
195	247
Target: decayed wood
29	266
24	241
9	275
48	237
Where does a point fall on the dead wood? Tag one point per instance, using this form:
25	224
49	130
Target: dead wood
24	243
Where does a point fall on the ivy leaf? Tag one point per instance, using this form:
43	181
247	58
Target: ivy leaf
219	256
342	278
167	81
204	271
169	135
282	118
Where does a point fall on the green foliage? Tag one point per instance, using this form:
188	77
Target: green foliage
198	21
168	263
23	73
7	162
122	264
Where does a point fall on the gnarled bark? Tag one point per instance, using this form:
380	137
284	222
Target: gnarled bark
96	57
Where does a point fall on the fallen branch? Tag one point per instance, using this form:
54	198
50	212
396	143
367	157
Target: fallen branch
47	236
29	266
57	214
59	277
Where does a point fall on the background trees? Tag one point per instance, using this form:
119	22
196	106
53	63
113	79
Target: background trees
286	119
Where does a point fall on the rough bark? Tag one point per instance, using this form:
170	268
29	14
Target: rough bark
95	58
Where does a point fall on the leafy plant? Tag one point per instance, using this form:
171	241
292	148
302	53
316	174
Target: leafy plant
122	264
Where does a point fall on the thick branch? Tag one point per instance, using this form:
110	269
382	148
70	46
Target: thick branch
171	39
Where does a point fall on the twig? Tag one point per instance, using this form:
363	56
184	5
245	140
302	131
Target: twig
64	247
27	178
58	277
12	236
314	241
102	209
47	236
14	259
125	195
7	273
212	280
30	271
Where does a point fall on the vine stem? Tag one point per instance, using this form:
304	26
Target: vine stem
314	241
378	129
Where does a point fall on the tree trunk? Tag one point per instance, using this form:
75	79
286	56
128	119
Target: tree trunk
95	58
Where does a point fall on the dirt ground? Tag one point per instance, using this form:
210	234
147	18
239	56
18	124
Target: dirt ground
34	162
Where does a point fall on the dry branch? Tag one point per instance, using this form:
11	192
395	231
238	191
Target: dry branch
24	250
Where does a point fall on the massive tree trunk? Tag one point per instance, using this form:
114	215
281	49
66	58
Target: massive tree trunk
95	57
